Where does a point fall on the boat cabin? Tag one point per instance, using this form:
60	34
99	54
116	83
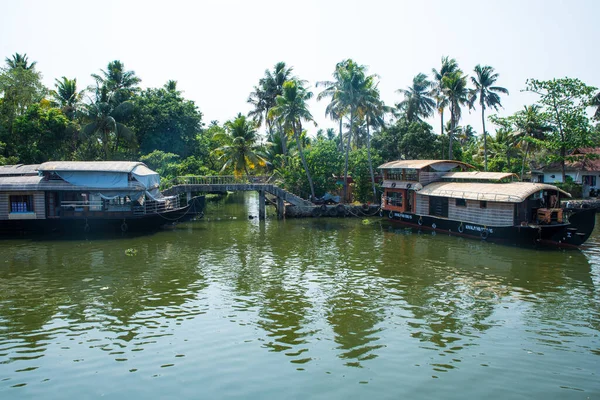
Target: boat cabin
70	189
453	190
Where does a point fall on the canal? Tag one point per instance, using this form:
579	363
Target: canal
235	308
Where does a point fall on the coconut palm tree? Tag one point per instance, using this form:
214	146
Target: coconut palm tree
455	90
417	103
263	98
449	66
121	84
241	149
106	118
351	88
289	111
20	60
596	103
484	79
531	128
66	95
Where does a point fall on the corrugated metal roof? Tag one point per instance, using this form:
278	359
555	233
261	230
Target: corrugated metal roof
97	166
37	183
19	169
488	176
513	192
420	164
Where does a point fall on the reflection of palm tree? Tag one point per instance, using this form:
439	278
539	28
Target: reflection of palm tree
240	150
290	110
488	96
417	103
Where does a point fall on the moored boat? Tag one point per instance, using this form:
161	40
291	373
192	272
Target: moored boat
81	197
449	196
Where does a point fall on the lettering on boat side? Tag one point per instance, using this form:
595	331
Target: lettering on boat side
478	228
405	216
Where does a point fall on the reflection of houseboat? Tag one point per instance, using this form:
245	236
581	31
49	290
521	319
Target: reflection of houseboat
445	196
86	197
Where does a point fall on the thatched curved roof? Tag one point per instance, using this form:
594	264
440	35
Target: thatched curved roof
513	192
441	165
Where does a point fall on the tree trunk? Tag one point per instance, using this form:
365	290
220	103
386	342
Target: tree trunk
370	162
347	153
524	161
283	137
442	132
299	144
451	133
563	151
341	145
484	137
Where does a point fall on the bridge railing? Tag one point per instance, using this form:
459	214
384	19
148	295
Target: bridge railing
213	180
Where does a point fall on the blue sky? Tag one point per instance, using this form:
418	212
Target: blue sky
217	50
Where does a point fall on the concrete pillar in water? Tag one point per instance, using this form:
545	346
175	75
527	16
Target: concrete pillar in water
261	204
188	195
280	208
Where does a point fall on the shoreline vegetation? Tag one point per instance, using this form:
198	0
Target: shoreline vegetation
115	119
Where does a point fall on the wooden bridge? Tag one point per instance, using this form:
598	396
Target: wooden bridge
219	184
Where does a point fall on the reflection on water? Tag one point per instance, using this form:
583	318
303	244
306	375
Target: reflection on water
238	307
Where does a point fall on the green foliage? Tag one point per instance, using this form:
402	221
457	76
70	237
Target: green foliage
41	134
359	167
164	120
166	164
406	140
324	161
564	105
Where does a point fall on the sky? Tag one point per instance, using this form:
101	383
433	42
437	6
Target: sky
218	50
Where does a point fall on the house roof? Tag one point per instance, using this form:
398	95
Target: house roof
442	165
96	166
513	192
476	175
582	159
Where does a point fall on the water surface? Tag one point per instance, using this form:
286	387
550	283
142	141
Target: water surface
230	307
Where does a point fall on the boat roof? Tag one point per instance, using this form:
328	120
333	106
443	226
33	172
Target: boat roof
18	169
38	183
513	192
420	164
95	166
487	176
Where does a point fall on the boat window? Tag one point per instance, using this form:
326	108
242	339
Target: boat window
394	199
21	204
483	204
461	202
438	206
394	174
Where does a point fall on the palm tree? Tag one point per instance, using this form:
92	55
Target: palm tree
455	90
263	98
351	88
241	150
417	103
120	83
335	110
449	66
289	111
530	127
106	117
488	96
66	95
20	60
596	103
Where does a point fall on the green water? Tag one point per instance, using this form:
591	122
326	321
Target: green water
229	307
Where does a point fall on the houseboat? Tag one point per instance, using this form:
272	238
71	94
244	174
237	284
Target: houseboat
81	197
451	197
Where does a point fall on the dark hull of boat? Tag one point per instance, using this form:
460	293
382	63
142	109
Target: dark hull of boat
574	234
82	225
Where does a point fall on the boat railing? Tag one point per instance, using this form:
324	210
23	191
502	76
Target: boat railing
157	207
